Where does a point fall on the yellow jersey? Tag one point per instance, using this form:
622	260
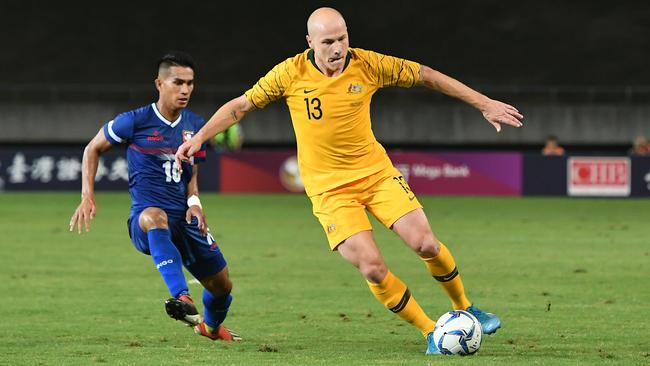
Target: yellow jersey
331	115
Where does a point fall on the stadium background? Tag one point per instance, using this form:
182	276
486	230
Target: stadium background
566	275
575	69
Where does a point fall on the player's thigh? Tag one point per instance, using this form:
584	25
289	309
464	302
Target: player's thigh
341	215
390	197
201	254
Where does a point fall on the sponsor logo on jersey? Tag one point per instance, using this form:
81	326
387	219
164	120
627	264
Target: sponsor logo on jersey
331	228
355	88
155	136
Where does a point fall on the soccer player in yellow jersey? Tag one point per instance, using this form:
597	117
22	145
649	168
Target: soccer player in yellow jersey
328	89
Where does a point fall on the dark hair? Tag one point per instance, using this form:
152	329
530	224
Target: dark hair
176	58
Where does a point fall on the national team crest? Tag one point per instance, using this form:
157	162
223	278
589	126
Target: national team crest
355	88
187	135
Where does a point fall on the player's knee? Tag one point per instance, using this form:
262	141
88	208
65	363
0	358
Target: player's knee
374	271
218	286
153	218
427	246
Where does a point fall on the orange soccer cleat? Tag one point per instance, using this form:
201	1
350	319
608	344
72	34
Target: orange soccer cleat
220	334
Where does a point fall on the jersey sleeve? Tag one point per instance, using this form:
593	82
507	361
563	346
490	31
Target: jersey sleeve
392	71
120	129
271	86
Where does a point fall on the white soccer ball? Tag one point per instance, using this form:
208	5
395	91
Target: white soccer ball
290	175
458	333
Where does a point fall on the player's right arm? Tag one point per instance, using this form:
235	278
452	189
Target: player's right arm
226	116
87	208
269	88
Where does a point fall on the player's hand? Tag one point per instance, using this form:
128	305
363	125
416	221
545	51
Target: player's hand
186	150
83	214
498	113
197	212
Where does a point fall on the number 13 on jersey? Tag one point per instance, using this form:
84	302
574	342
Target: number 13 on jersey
313	108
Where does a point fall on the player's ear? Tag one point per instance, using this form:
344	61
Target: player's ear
158	83
308	41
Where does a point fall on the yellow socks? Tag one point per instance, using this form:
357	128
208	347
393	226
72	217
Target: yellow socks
396	297
443	268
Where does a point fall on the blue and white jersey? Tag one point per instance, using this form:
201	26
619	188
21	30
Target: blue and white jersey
152	140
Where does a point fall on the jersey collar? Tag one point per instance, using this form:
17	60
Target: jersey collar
310	56
163	119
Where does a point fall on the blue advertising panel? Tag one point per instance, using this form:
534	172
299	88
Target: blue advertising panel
544	175
641	176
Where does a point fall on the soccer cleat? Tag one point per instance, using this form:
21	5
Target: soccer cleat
183	309
489	322
432	348
221	334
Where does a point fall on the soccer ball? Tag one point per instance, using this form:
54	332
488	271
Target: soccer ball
458	333
290	175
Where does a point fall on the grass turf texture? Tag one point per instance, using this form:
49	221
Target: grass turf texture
569	278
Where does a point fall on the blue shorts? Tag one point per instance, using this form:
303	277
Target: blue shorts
201	254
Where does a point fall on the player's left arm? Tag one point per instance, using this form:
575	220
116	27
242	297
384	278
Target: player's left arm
194	204
494	111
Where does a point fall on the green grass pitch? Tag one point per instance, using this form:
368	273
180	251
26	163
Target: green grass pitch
569	278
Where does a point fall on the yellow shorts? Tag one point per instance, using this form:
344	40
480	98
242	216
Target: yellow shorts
342	210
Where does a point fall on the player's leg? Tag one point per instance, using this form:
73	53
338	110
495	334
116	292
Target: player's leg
216	303
348	230
361	251
153	222
413	227
207	264
394	204
151	235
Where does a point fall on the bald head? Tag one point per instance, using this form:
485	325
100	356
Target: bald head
324	20
328	38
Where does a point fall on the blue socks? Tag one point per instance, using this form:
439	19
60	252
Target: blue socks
215	308
170	265
168	260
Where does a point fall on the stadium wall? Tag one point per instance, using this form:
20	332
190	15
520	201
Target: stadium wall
398	119
58	168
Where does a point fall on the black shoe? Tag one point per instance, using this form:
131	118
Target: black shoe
183	309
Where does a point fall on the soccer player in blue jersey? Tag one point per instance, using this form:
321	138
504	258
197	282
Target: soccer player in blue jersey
166	220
